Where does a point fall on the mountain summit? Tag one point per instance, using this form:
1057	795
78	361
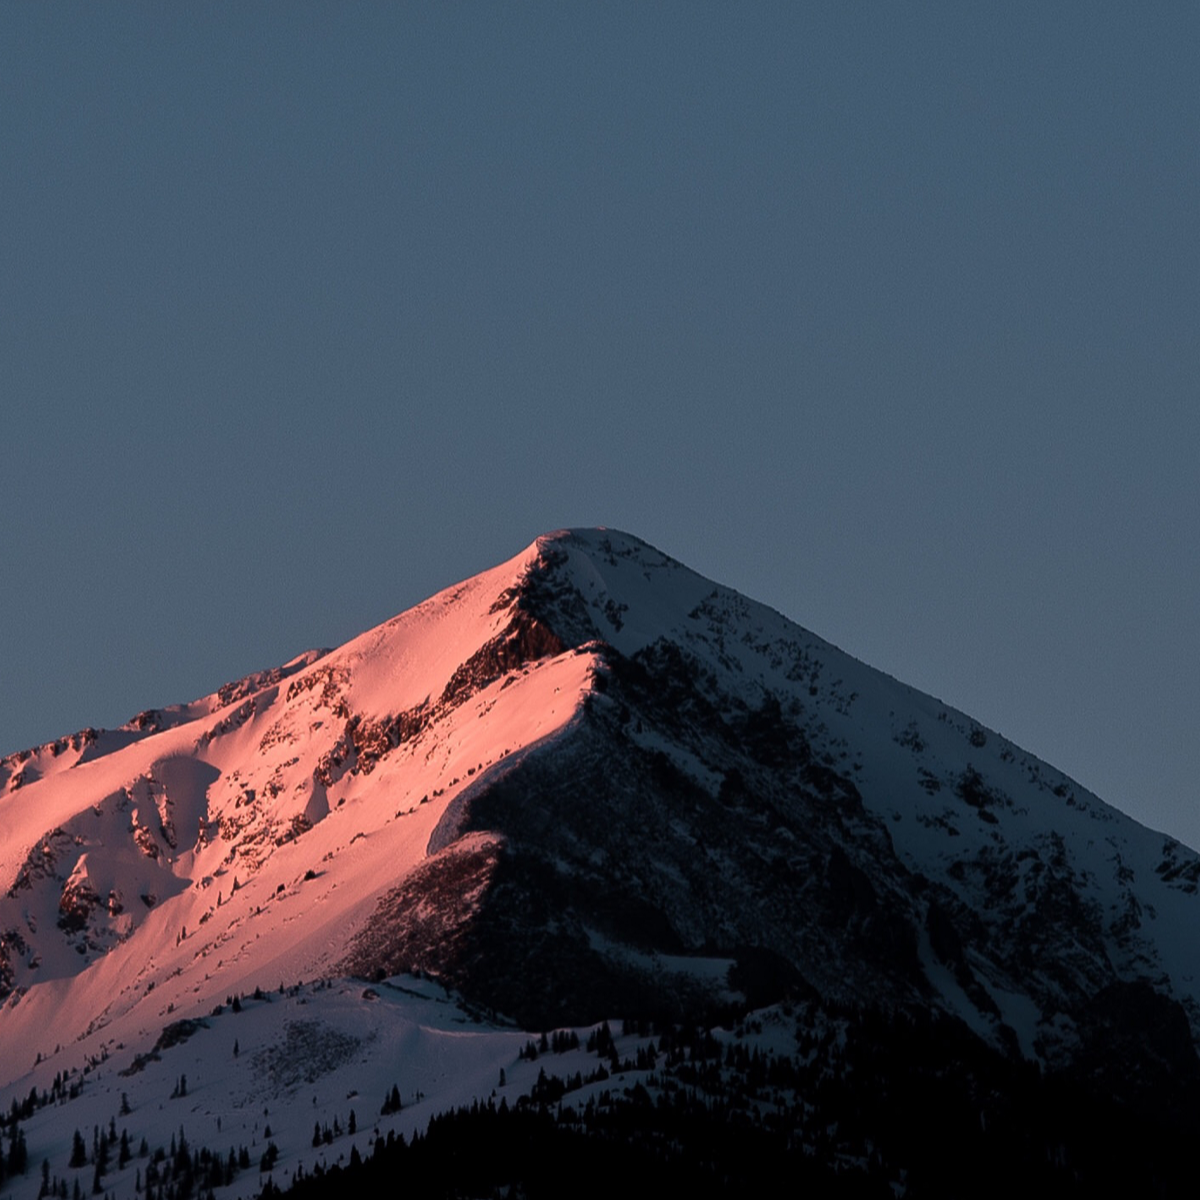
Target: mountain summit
583	783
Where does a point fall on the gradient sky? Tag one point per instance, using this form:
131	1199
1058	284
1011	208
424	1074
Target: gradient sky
886	315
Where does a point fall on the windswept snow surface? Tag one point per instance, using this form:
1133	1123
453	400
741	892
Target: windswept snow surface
240	845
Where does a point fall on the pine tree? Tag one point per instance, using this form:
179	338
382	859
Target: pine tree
78	1151
18	1154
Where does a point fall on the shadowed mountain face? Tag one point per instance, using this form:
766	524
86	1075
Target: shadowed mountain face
605	864
589	782
732	788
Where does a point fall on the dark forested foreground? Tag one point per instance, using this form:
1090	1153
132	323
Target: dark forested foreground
873	1107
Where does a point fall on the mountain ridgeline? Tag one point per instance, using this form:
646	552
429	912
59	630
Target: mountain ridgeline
587	784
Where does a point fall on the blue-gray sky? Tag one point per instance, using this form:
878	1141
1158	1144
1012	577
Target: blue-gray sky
883	314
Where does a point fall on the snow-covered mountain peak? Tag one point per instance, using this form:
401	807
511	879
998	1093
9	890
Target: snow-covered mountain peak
566	785
585	783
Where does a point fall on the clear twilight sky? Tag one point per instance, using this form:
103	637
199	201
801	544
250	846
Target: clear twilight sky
885	315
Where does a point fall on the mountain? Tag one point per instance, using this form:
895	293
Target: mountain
586	784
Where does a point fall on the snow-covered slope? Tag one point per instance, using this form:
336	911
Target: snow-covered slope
239	837
585	782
